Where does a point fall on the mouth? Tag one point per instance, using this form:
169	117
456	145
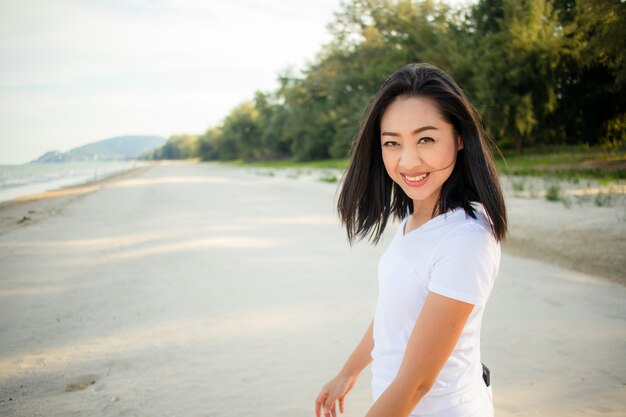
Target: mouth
415	180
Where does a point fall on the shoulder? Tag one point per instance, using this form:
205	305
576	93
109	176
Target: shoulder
466	229
466	261
467	239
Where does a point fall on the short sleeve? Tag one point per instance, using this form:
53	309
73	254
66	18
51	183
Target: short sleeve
465	264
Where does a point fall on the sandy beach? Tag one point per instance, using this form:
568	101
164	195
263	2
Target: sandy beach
199	289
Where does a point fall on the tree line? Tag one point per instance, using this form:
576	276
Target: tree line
540	72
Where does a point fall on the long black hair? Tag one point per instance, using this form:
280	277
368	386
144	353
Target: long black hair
369	196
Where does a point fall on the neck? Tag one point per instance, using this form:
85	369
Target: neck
425	208
419	216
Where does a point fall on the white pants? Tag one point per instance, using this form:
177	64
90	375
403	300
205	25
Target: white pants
475	402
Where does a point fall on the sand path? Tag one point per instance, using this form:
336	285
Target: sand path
202	290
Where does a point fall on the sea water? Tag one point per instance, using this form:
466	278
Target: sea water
25	179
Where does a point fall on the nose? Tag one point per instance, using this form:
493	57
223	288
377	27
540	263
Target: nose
410	159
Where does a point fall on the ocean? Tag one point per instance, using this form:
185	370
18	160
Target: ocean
25	179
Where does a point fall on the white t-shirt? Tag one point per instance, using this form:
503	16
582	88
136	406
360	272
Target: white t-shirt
453	255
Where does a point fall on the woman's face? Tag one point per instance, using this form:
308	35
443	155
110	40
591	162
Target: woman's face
419	148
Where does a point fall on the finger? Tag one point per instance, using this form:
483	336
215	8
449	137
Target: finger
319	402
341	405
319	406
328	407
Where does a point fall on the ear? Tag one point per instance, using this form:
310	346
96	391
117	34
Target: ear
459	143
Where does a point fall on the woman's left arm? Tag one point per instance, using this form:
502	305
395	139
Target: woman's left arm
432	340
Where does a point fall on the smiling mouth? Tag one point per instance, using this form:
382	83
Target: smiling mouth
416	180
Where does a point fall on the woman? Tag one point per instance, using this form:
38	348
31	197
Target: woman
421	156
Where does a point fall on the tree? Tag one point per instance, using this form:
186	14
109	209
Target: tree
540	72
178	147
592	103
209	144
241	136
518	46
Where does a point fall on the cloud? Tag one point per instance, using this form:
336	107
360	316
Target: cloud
71	67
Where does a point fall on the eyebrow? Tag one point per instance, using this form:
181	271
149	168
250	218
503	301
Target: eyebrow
416	131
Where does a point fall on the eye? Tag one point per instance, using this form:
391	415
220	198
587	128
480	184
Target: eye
390	144
426	139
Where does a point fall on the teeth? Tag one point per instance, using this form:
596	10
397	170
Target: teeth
415	179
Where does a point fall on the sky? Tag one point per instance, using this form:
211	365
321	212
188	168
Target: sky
78	71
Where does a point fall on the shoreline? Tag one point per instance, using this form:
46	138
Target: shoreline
32	208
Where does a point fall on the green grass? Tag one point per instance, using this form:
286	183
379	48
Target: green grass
518	186
329	179
553	193
566	163
604	200
570	163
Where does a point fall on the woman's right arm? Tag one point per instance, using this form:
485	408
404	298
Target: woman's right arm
337	388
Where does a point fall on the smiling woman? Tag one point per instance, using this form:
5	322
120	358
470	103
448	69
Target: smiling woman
418	159
421	156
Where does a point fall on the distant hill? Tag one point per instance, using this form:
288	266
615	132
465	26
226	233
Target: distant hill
113	149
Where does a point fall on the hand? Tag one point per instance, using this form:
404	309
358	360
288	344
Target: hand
335	390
